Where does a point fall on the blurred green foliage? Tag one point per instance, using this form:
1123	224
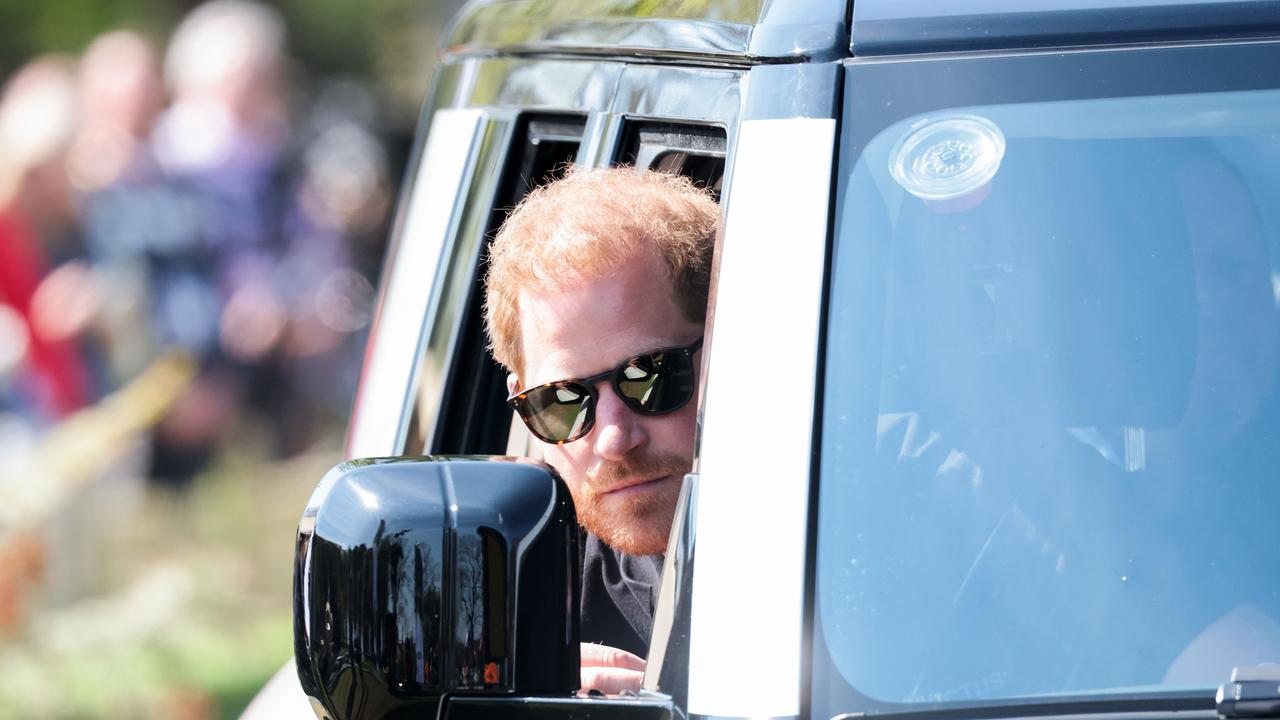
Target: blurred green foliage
66	26
327	36
391	42
196	614
744	11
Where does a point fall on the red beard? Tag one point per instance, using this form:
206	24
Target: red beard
637	522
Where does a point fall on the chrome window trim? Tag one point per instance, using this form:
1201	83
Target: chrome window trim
694	95
599	139
697	96
608	93
752	513
690	42
531	84
453	282
380	414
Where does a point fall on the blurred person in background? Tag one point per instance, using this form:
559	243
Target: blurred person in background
121	93
42	374
252	279
173	191
123	203
216	149
343	193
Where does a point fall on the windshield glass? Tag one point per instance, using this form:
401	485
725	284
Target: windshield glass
1051	416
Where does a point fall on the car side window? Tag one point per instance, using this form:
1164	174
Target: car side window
697	151
472	415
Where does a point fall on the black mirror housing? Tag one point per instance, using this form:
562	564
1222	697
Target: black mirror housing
420	577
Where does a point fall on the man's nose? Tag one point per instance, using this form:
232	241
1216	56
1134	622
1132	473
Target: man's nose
619	430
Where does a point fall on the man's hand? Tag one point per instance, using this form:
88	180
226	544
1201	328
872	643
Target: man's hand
610	670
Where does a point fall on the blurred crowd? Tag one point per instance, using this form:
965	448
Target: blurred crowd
196	197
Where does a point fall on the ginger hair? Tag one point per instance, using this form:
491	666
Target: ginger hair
585	226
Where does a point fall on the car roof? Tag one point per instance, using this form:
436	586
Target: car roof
706	31
909	27
744	32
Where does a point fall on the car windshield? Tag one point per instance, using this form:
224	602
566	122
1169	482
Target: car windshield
1051	417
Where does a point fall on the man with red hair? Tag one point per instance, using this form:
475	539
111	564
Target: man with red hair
595	303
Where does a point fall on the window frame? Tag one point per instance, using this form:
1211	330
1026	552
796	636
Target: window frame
920	85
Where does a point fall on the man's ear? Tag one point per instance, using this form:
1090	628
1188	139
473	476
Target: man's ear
513	383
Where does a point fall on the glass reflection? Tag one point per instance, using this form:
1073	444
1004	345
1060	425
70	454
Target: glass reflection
1049	457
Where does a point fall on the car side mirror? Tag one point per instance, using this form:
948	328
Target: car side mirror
420	577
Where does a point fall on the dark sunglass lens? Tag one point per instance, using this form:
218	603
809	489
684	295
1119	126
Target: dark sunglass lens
658	382
557	412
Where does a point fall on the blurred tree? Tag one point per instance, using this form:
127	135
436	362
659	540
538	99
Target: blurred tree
409	38
330	36
66	26
392	41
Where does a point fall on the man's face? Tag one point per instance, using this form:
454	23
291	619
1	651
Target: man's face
624	474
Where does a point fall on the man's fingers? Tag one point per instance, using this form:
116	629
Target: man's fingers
603	656
611	680
610	670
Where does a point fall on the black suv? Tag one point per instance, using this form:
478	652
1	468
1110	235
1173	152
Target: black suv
991	419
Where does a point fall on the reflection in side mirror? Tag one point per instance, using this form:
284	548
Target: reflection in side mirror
417	577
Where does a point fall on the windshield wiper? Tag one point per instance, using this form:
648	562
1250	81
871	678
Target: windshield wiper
1252	693
1092	705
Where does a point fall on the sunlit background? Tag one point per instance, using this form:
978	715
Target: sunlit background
194	201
